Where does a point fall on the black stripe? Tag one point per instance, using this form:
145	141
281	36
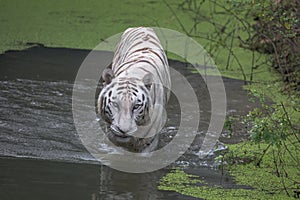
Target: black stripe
157	72
134	89
145	70
117	72
154	95
111	85
138	61
159	56
126	82
133	36
120	88
136	44
155	38
108	108
143	89
104	102
132	39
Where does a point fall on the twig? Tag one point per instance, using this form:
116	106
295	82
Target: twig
232	53
291	154
177	18
289	121
261	158
231	44
282	176
252	67
243	22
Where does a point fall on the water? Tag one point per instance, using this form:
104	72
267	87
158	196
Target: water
42	155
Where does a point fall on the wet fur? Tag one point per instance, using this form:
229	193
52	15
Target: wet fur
133	89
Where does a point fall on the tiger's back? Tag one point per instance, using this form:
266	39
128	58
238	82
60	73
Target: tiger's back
136	90
141	53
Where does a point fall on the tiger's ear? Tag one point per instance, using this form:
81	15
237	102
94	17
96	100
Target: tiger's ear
107	75
148	80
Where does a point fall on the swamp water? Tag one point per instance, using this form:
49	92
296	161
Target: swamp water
41	156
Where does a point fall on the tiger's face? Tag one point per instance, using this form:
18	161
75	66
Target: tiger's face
125	104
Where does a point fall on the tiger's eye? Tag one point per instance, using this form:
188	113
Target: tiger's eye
114	104
136	106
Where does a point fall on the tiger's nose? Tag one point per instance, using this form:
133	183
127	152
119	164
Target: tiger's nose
122	131
118	130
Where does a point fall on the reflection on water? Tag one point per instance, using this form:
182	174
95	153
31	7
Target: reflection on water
35	179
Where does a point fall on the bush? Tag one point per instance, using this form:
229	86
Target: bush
277	33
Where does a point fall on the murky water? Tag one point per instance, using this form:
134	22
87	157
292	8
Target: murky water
42	156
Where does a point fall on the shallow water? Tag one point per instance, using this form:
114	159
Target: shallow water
42	155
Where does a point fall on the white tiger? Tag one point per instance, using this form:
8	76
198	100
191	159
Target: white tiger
136	90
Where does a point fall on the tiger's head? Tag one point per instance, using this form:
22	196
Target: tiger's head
125	104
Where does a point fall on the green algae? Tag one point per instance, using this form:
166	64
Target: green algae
184	183
255	166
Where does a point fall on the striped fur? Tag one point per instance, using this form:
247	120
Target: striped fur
133	98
